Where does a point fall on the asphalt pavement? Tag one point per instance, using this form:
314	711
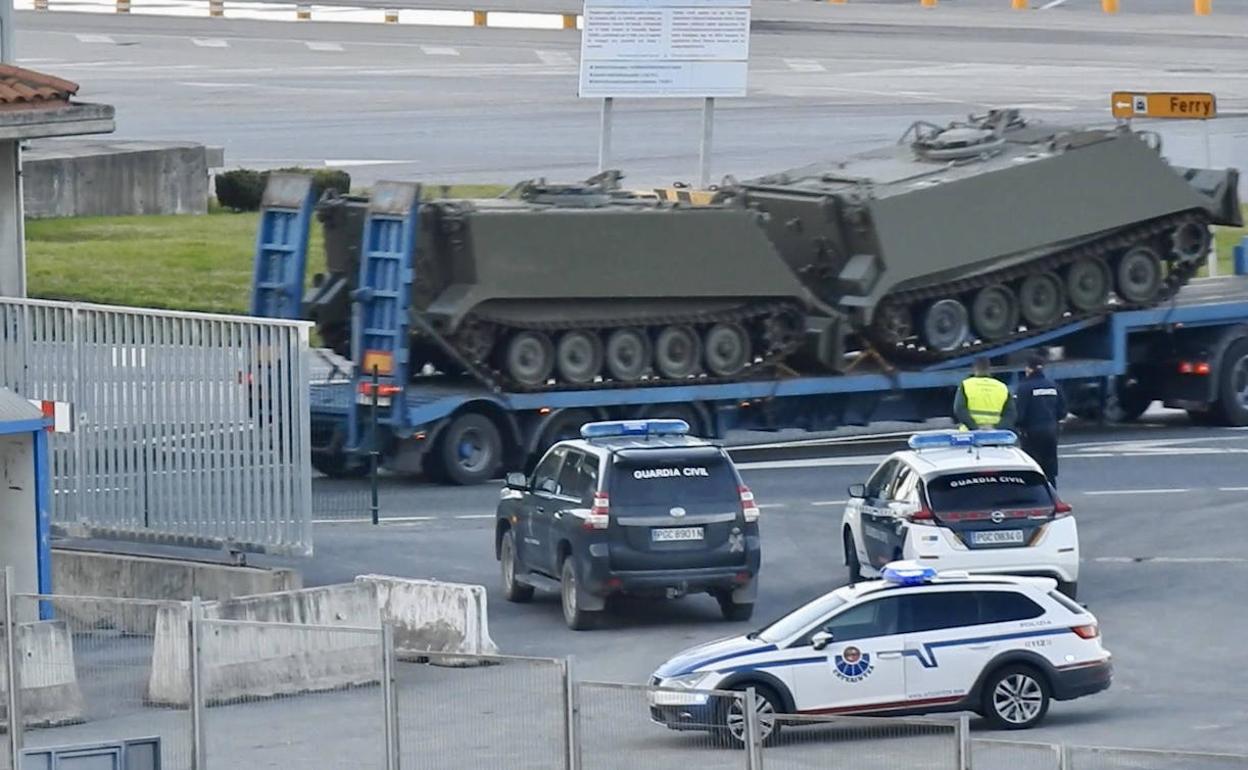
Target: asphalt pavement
1161	511
447	104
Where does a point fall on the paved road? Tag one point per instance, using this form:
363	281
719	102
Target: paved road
442	104
1162	519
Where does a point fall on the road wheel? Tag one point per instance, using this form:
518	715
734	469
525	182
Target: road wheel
512	591
1015	698
579	357
994	313
677	352
1190	241
529	358
470	450
766	704
576	618
946	325
628	354
727	349
1041	299
1127	402
851	558
1232	406
1139	275
1088	282
732	611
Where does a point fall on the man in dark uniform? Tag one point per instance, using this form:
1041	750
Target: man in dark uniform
1041	408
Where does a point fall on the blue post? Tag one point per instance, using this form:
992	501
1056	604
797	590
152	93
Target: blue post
43	503
1239	257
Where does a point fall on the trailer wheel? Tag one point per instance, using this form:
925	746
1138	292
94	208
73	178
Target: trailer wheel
470	450
340	465
1232	405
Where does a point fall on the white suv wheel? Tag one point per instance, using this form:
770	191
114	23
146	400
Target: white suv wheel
1017	698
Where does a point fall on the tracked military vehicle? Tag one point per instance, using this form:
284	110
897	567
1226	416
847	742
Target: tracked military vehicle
974	234
955	239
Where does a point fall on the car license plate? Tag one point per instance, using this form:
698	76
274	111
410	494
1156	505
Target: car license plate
676	533
999	537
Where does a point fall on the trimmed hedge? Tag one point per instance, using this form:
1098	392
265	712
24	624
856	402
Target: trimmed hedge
242	189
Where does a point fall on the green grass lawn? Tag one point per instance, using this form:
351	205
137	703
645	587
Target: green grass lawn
196	262
174	262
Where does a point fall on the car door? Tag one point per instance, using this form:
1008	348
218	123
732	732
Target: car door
878	523
567	506
539	506
947	644
861	668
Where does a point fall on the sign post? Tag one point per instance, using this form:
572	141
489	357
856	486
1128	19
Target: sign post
1185	105
664	49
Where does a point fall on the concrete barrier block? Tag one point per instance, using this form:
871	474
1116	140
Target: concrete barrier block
96	573
432	616
240	662
47	675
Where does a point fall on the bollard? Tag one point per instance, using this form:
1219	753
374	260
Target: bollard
303	12
479	18
837	2
1019	5
928	3
569	21
1202	7
1109	6
392	16
216	8
123	6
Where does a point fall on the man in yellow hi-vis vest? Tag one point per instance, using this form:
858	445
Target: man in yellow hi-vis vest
983	401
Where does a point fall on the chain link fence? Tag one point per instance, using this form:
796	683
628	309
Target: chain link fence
221	693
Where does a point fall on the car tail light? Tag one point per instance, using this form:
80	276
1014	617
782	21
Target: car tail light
383	391
599	512
1089	631
748	508
1195	367
1061	508
923	514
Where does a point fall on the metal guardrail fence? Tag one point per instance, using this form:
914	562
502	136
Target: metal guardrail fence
190	428
238	693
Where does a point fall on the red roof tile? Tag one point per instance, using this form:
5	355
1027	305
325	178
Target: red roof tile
23	88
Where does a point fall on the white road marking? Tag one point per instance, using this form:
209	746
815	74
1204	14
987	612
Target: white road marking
476	516
1172	559
336	162
805	65
1137	491
1233	489
829	502
439	50
314	45
207	84
210	42
1052	4
555	57
94	39
770	505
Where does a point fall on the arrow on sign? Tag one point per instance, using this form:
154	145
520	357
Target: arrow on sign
1122	105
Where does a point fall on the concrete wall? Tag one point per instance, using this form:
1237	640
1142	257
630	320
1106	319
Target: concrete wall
96	573
431	616
67	178
49	680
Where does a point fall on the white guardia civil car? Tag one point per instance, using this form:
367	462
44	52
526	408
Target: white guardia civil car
913	642
962	500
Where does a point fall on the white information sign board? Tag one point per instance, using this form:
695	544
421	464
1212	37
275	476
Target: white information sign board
665	48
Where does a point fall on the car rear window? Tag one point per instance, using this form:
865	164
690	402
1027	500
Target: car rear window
988	490
702	478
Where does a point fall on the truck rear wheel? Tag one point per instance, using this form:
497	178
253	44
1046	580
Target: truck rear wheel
1232	404
340	465
470	450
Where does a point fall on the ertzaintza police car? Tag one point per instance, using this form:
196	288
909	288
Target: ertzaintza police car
914	642
962	500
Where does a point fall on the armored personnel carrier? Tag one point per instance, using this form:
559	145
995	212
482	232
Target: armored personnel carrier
955	239
974	234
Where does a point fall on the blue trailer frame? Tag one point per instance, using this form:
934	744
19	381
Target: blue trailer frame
419	419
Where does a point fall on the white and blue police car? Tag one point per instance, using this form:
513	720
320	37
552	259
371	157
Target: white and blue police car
914	642
961	500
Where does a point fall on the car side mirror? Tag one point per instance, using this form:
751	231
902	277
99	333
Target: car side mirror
517	481
820	640
858	490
